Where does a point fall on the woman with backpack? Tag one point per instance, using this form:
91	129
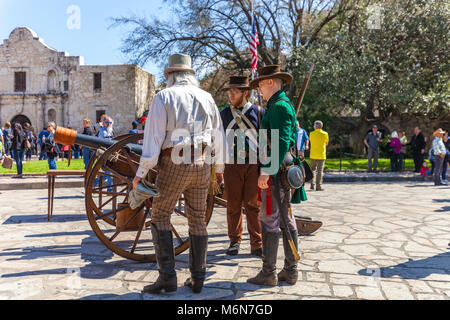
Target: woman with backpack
17	149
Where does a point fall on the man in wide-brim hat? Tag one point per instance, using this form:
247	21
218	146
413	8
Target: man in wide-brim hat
439	151
280	115
181	108
241	173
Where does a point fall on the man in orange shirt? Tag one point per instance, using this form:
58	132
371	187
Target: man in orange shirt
319	142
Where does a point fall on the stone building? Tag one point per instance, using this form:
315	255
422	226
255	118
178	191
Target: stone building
40	84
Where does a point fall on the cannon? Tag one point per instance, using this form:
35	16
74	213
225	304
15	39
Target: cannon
108	182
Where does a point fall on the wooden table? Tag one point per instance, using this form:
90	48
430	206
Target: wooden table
51	174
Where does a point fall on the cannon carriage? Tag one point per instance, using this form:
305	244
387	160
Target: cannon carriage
108	182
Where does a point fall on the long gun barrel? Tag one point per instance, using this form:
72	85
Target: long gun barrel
71	137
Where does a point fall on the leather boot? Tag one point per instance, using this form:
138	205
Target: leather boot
198	246
165	257
267	276
289	273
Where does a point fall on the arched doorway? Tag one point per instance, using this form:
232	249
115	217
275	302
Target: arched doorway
21	119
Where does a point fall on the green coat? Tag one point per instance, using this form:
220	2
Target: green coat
280	115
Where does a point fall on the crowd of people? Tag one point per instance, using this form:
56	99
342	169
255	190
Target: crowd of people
21	143
438	154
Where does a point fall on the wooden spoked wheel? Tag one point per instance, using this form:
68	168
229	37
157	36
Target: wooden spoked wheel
107	193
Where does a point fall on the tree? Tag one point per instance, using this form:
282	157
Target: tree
400	67
216	33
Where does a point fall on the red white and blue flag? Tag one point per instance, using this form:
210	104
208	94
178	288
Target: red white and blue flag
254	46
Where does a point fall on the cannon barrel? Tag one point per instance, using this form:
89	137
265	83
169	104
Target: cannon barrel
71	137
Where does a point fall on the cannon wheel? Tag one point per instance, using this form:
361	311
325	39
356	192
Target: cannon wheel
102	207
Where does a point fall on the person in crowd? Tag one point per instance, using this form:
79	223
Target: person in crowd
319	143
134	125
447	157
2	142
431	158
30	137
404	149
396	147
86	152
425	171
440	152
302	140
76	150
106	132
241	176
372	142
7	137
17	148
418	145
50	147
41	141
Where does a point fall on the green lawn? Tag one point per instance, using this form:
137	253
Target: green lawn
330	164
361	164
42	166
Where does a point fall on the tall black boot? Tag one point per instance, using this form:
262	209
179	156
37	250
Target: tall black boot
198	246
267	276
165	257
289	273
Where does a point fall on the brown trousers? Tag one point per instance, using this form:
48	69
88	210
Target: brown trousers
241	189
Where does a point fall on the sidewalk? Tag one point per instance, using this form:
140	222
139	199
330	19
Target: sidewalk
38	182
41	182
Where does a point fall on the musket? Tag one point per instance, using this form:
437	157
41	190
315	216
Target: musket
303	91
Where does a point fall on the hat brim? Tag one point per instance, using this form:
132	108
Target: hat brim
286	77
177	69
240	87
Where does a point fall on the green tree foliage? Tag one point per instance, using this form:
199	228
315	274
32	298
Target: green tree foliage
400	65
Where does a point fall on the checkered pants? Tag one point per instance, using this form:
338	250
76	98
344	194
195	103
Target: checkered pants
190	179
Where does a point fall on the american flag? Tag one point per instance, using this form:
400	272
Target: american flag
254	46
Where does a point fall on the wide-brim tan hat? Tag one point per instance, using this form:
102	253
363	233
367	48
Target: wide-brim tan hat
438	132
179	62
271	72
237	82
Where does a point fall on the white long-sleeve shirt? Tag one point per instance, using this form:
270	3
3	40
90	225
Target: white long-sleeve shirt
182	115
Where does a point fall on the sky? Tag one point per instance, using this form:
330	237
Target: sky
79	27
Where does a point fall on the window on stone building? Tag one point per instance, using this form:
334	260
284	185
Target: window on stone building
51	84
97	82
66	85
20	81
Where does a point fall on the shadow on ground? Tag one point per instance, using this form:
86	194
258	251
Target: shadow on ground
413	269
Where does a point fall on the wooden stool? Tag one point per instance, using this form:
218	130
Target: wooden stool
51	174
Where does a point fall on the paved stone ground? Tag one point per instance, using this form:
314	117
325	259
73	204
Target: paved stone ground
379	241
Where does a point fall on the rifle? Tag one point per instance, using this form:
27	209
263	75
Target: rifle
303	91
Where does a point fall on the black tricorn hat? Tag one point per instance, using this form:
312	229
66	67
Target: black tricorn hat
238	82
271	72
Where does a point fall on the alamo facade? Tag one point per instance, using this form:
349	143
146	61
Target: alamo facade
39	84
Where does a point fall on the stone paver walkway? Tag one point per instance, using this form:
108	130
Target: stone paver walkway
379	241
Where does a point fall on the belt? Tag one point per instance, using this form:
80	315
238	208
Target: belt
168	152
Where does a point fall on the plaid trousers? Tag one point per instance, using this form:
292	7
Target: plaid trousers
173	180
